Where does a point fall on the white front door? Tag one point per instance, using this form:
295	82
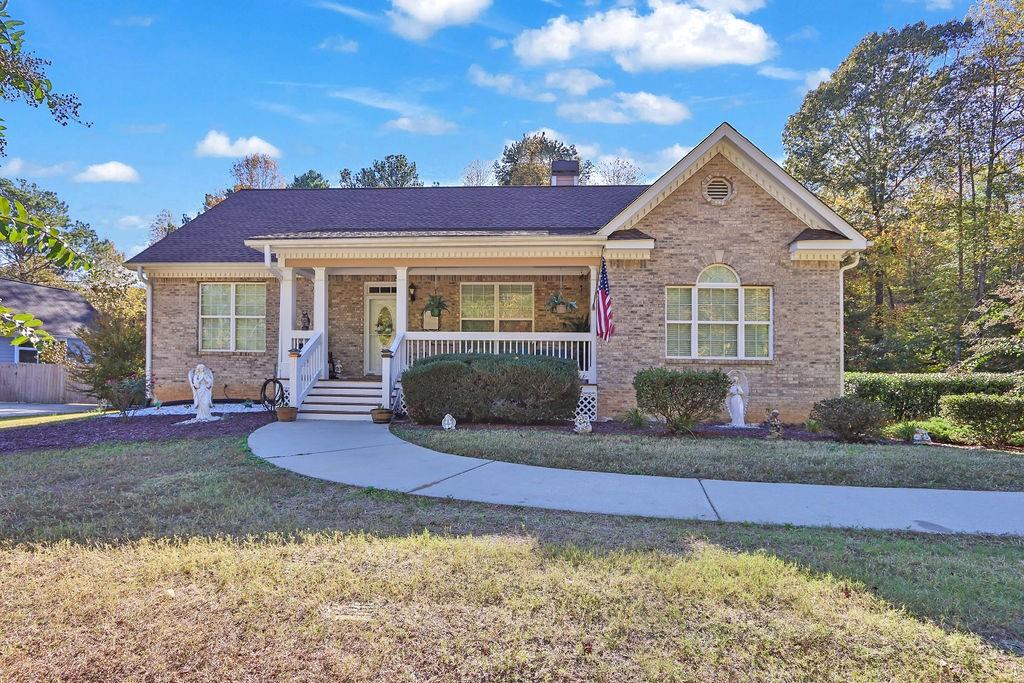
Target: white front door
379	329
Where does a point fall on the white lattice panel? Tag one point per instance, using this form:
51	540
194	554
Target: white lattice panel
587	407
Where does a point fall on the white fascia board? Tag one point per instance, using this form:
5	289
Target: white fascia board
612	245
451	241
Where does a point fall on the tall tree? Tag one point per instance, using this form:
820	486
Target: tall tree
256	172
310	180
864	137
618	171
395	170
527	161
476	174
163	225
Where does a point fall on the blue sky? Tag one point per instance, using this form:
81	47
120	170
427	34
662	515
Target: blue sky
176	91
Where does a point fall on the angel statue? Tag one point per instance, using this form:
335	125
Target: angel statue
736	403
201	381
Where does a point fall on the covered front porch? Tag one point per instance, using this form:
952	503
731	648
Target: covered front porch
365	325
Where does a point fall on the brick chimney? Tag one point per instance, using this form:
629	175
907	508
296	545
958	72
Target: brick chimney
565	172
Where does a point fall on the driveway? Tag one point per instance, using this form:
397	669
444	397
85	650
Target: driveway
365	454
37	409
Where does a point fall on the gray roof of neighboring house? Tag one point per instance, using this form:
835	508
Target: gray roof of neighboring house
62	311
218	234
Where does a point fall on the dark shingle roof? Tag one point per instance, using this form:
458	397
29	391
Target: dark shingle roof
818	234
62	311
630	234
218	234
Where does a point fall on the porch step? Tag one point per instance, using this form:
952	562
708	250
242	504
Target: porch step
361	417
341	400
344	391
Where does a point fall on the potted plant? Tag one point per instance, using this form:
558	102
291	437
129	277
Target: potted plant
432	311
559	304
381	415
286	413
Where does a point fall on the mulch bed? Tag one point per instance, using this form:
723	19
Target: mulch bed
614	427
95	430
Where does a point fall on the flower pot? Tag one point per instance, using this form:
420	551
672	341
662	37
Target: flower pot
287	414
560	308
430	321
381	416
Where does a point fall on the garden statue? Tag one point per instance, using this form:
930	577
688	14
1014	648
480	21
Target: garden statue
922	436
736	402
305	321
448	423
774	425
582	425
201	381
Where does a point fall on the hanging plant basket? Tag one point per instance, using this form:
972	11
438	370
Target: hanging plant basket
559	304
436	304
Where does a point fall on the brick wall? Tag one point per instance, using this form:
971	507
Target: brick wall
751	233
176	344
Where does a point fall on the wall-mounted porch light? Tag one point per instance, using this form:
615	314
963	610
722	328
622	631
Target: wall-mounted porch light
412	291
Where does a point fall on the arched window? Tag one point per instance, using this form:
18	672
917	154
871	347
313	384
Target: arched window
718	317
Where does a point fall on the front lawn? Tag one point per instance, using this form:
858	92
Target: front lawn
192	559
738	459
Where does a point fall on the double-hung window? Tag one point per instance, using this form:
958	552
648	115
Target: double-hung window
718	318
232	316
496	307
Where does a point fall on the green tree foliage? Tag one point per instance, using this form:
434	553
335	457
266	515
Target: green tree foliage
163	225
917	141
310	180
527	161
117	352
996	336
395	170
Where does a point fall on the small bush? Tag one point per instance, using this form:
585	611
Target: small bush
994	420
491	388
850	418
127	395
916	396
939	429
116	352
634	417
901	431
812	426
681	398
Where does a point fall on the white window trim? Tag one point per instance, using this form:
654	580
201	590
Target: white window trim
497	309
694	322
232	317
17	354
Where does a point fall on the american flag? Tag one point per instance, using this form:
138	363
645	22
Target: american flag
605	325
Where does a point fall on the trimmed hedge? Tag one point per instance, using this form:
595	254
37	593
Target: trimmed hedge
992	419
480	387
916	396
851	418
682	398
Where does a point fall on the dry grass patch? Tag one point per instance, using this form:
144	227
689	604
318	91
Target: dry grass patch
801	462
193	560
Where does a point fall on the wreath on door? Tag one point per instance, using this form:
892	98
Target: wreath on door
385	327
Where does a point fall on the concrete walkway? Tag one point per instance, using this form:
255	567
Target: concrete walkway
365	454
37	409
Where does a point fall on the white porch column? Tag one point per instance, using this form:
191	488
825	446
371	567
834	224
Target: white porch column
402	299
593	324
286	319
320	312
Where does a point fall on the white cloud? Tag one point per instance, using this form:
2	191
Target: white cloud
311	117
338	44
627	108
351	12
673	35
137	22
109	172
496	43
18	167
938	4
809	79
576	82
414	118
736	6
420	19
132	221
804	33
506	84
427	124
218	144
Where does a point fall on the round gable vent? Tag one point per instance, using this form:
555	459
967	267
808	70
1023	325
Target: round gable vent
718	190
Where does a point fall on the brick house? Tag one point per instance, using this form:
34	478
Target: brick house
725	261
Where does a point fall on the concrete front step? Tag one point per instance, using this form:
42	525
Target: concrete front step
341	400
359	417
344	399
344	391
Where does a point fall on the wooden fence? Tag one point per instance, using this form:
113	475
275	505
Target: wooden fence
38	383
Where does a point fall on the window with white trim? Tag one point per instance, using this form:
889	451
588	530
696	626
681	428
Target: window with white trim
233	316
718	318
25	352
496	307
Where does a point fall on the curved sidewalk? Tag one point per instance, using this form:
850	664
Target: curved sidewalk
365	454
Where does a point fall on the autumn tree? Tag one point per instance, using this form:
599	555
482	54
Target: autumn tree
310	180
163	225
476	174
527	161
617	171
394	170
256	172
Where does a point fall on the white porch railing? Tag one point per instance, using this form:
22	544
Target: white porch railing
574	346
297	339
391	368
305	367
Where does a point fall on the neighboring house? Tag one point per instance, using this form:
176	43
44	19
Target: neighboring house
725	261
61	311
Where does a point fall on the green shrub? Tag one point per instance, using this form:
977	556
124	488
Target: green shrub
916	396
939	430
127	395
681	398
994	420
634	417
901	431
116	351
812	426
850	418
491	388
